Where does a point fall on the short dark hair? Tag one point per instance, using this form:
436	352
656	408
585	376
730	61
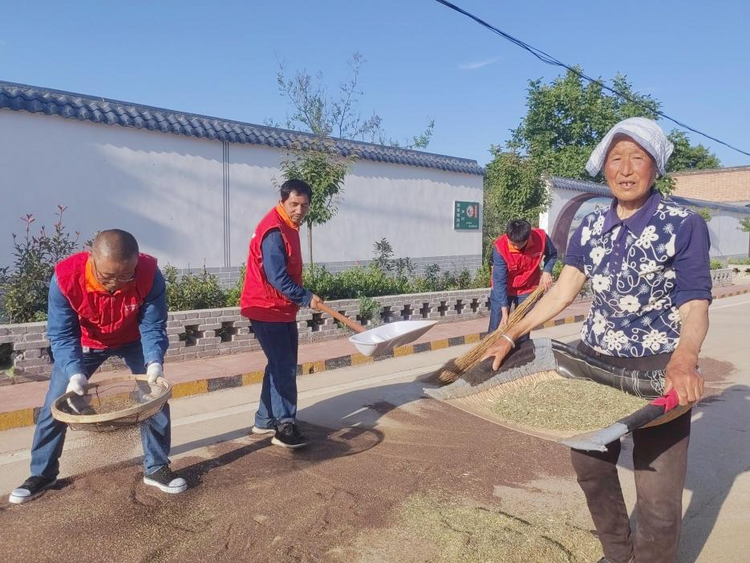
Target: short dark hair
518	231
299	186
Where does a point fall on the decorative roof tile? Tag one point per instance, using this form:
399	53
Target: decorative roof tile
21	97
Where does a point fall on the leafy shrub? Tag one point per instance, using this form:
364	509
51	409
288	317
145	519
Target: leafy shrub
370	281
233	295
368	310
740	261
716	264
431	278
25	286
388	276
383	255
193	291
483	276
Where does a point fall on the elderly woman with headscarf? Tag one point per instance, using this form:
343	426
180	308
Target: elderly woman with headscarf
647	259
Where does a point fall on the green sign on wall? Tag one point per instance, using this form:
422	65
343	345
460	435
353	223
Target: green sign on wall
466	216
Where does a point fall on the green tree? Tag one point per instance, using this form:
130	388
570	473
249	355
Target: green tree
324	170
568	117
513	188
565	120
316	111
689	157
685	157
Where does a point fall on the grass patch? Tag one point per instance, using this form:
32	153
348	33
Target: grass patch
476	534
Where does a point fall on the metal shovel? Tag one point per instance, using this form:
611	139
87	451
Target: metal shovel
384	338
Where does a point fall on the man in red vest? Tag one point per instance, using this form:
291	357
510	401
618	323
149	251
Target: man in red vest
110	302
516	260
271	297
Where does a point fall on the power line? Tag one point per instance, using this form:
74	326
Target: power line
550	60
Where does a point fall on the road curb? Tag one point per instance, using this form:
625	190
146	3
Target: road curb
28	416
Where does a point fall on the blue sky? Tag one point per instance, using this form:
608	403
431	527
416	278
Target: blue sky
423	60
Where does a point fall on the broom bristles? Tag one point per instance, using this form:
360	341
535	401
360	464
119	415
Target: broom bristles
455	368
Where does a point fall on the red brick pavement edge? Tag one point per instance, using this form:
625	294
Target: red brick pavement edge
19	404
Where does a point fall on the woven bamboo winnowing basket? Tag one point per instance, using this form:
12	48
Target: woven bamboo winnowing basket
109	405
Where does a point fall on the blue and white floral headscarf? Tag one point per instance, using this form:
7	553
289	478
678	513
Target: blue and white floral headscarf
643	131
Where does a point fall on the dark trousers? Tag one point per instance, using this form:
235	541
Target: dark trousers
496	311
49	435
278	395
660	463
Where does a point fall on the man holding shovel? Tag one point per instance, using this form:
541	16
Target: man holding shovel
109	302
271	297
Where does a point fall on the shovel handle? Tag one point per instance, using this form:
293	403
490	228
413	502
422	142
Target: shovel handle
356	327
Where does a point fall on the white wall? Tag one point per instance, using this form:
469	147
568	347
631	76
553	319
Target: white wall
726	238
558	200
165	189
252	172
410	206
168	191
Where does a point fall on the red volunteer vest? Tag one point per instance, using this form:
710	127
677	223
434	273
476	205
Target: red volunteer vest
261	301
523	267
107	320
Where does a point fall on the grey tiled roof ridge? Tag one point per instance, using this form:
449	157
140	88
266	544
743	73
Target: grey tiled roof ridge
603	190
108	111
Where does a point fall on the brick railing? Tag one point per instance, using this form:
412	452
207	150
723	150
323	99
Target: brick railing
722	277
216	332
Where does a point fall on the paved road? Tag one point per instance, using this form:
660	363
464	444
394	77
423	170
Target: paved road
202	420
718	486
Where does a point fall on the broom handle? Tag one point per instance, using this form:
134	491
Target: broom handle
457	367
356	327
520	311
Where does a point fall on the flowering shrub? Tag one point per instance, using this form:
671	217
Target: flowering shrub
25	286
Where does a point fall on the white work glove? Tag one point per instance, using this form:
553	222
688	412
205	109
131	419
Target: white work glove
154	372
77	384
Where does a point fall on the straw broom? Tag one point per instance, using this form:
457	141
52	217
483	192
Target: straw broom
456	367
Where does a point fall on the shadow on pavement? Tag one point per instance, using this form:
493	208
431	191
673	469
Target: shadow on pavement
339	426
718	455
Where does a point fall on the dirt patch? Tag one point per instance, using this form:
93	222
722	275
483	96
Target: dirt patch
250	501
714	371
717	374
